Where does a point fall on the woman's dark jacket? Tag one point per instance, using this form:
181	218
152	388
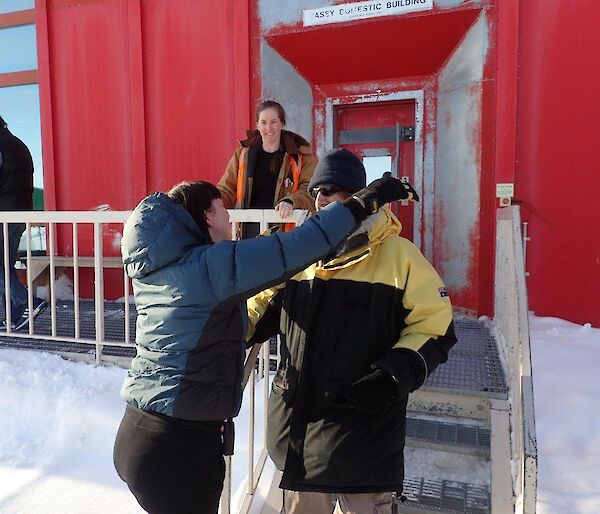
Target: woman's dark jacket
296	148
191	302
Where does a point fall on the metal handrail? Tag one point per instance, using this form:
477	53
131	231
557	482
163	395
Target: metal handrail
53	219
255	467
512	330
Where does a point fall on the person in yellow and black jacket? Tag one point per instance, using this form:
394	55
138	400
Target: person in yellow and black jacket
361	329
270	169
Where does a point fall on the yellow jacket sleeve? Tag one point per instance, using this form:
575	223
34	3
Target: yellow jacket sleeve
257	307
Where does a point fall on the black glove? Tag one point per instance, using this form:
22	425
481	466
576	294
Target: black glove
386	189
373	392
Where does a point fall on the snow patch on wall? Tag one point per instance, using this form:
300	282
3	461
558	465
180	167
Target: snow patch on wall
466	65
63	289
282	83
458	165
320	133
457	182
429	175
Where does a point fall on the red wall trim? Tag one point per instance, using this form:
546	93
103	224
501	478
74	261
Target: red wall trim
241	64
18	78
487	187
255	60
13	19
139	187
507	61
45	82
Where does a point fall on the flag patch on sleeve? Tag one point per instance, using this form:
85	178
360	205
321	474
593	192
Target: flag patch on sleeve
443	292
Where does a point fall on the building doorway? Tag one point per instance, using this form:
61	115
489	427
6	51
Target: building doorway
382	134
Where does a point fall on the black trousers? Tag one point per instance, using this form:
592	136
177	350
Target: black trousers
171	466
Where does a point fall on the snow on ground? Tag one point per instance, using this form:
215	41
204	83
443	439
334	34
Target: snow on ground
566	368
58	424
59	419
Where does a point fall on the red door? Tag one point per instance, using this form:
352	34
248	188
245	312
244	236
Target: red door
382	135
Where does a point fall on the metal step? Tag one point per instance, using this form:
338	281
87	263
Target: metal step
473	364
427	495
455	437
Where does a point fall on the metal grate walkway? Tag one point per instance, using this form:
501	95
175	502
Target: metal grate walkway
114	329
473	364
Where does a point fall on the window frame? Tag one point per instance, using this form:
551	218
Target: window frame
25	77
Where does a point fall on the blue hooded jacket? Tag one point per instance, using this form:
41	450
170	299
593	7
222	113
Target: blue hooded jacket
191	296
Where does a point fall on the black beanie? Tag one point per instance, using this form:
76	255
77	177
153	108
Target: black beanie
341	168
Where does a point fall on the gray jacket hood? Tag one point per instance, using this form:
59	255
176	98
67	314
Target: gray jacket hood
158	233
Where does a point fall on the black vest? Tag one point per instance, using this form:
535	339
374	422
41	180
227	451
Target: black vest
16	174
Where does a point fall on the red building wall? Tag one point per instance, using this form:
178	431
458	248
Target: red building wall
139	95
558	156
136	96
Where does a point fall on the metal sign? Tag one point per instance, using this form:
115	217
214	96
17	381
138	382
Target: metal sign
362	10
505	190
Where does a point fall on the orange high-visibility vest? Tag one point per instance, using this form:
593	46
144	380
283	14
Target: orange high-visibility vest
241	181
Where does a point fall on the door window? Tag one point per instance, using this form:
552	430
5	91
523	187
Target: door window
377	166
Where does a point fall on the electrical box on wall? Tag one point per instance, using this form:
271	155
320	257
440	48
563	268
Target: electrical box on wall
505	193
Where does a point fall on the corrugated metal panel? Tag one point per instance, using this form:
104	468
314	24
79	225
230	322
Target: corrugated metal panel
142	95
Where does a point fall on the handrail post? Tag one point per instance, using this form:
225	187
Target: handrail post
29	280
512	325
98	290
52	251
5	259
251	422
266	386
76	279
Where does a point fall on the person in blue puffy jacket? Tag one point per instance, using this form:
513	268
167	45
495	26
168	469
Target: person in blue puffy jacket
190	284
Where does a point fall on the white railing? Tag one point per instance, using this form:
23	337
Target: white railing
255	465
70	223
512	332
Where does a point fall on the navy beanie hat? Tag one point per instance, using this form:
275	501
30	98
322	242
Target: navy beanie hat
341	168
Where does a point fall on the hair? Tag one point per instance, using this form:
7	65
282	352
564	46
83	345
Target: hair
2	122
196	198
270	104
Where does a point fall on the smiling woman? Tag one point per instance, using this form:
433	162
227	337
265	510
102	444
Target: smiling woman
269	169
